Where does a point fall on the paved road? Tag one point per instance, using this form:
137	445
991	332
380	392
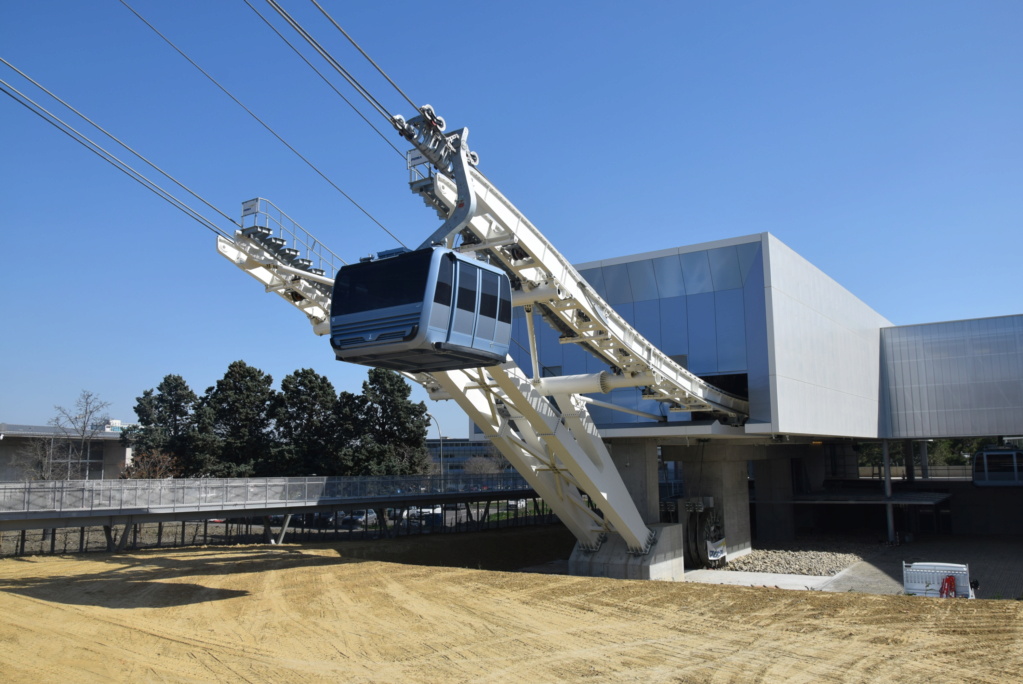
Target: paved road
996	562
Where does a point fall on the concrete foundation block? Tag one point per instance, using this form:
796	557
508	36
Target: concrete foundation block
612	559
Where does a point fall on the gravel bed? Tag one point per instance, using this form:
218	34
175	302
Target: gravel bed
818	556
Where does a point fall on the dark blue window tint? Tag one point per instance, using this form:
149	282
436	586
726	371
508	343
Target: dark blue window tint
668	271
488	296
749	253
757	372
504	313
595	278
724	268
616	280
702	334
648	321
628	312
674	326
467	286
731	331
641	277
445	278
547	344
381	284
696	271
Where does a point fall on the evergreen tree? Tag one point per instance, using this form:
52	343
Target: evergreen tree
351	425
304	413
165	419
241	427
235	421
200	455
173	406
396	443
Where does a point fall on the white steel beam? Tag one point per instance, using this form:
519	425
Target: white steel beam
573	307
489	406
292	285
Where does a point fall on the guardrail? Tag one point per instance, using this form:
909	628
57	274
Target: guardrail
208	494
934	472
262	212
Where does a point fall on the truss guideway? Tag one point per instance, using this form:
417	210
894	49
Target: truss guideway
572	307
285	258
560	454
541	425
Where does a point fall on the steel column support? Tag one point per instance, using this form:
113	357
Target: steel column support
889	510
524	450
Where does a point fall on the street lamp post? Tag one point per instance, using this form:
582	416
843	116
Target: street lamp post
441	438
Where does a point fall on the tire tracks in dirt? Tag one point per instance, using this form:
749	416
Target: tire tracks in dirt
311	615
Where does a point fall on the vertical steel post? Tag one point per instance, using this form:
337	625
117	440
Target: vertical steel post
888	491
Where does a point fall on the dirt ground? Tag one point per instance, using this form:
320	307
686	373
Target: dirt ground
364	612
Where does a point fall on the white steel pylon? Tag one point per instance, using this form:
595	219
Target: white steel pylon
541	425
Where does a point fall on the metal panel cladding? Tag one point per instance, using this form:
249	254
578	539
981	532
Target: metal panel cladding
954	379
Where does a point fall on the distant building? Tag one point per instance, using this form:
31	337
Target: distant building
450	455
27	450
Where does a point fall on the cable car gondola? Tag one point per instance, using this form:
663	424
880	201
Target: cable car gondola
431	309
998	467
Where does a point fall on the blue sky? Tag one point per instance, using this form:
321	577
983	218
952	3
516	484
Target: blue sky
880	140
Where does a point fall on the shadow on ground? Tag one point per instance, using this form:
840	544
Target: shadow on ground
147	579
994	562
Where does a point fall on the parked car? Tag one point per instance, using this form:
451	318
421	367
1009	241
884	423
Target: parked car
360	518
327	519
428	510
410	513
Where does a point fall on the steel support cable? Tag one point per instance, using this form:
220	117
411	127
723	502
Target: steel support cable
352	81
105	155
325	79
120	142
264	124
363	52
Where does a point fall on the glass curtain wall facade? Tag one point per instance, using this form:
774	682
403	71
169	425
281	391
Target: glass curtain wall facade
452	453
704	308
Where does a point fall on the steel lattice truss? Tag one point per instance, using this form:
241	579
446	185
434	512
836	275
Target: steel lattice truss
541	425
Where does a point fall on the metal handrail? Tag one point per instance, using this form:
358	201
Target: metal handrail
262	212
178	495
940	472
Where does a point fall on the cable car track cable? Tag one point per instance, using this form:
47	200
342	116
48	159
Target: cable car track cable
325	79
108	157
363	52
264	124
119	141
352	81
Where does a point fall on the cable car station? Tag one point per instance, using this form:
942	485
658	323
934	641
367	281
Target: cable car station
731	361
712	356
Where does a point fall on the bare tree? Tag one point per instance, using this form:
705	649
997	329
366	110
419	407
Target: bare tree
153	465
498	459
76	430
39	459
481	465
